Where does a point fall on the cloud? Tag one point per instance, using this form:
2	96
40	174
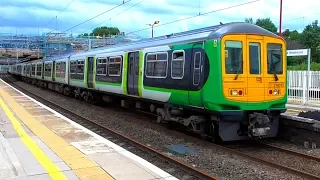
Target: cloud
34	15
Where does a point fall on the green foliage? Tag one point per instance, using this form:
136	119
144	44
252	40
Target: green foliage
292	35
267	24
249	20
102	31
303	67
105	31
309	38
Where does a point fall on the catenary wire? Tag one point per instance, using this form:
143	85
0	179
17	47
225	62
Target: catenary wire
124	2
230	7
114	16
60	12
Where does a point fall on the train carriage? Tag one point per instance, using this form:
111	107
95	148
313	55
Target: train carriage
226	81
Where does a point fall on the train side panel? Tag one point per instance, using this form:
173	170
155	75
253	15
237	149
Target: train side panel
61	71
76	72
110	71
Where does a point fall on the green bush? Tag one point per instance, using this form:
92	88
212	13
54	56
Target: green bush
303	67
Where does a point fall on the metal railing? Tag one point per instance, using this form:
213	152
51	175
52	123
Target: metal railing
304	88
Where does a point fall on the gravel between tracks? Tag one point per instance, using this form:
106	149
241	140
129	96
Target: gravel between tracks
290	146
210	159
284	159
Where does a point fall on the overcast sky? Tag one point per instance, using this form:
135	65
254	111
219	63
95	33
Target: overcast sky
33	16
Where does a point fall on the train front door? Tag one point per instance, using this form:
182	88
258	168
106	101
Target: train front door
90	73
196	76
133	73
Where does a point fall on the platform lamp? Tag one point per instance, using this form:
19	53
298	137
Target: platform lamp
155	22
280	23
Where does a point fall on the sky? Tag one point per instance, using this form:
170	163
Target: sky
39	16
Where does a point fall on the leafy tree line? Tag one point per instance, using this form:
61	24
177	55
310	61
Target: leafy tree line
102	31
308	38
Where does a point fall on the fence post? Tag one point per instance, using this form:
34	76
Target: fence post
304	86
309	75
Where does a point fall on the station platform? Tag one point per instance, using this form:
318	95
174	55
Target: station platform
291	118
37	142
299	108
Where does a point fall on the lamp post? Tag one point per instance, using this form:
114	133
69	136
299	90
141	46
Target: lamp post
280	33
155	22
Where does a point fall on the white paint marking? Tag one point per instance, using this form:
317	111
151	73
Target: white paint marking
117	148
92	147
18	170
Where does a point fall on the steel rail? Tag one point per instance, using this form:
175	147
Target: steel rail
269	163
307	156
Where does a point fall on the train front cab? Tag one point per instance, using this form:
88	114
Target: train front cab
254	83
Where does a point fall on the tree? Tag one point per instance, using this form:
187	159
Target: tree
83	35
267	24
310	38
249	20
292	35
105	31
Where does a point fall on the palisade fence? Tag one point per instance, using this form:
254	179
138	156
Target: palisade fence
303	88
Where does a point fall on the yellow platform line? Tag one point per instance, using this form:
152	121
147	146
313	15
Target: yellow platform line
81	165
53	170
295	110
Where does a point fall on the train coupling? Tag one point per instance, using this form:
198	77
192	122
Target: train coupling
259	125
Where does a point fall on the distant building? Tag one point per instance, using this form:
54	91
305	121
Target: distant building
291	45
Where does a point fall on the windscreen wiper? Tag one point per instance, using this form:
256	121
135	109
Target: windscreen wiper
275	76
237	75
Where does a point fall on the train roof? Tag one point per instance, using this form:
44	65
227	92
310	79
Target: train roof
212	32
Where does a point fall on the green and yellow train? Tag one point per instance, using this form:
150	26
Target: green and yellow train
226	81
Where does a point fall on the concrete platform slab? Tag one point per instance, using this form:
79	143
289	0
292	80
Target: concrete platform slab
46	145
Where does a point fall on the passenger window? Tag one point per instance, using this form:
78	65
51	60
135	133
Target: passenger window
255	58
157	65
114	66
275	59
233	57
101	67
80	67
73	67
177	65
196	68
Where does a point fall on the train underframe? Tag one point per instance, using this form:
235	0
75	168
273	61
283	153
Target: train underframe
214	126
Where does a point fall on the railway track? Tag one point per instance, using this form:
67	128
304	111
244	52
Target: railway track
185	171
189	171
303	165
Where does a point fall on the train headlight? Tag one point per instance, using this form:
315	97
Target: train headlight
275	92
234	92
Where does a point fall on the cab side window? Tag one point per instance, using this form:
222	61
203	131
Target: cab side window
275	59
233	57
255	58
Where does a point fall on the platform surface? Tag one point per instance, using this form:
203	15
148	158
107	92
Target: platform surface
38	143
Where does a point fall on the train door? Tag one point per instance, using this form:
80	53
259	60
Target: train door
53	75
133	73
255	86
90	73
43	70
275	73
196	76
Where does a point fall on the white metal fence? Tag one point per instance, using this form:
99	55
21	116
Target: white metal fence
304	88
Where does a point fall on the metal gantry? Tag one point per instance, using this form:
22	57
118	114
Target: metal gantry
53	44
